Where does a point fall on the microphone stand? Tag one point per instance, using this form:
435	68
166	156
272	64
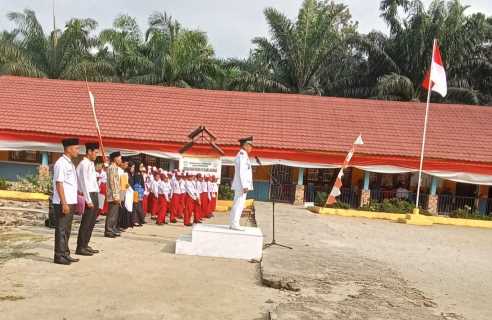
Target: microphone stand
273	182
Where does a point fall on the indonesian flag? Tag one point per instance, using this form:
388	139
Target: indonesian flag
437	74
335	191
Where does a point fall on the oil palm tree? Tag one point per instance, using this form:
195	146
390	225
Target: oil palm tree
298	51
64	54
396	64
179	57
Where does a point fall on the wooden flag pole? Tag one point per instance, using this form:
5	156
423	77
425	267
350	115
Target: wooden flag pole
424	136
93	106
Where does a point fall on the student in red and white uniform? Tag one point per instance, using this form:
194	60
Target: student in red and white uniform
176	197
204	197
165	194
213	190
154	194
182	202
192	201
102	180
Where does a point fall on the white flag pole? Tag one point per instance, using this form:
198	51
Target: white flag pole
93	105
429	89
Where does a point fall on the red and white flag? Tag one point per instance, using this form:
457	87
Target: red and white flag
435	78
335	191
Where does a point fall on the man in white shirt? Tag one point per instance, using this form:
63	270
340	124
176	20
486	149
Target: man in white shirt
89	188
65	199
242	182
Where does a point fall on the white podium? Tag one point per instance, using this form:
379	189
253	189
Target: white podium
212	240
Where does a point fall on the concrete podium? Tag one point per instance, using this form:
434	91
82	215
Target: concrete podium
212	240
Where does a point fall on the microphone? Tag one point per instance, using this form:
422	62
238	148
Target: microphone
258	161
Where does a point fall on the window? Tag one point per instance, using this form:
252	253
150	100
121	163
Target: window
25	156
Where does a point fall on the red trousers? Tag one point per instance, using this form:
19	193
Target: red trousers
176	206
211	205
204	205
192	208
155	205
163	204
182	205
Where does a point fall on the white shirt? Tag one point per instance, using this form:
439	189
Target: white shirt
64	171
154	187
243	174
87	179
165	189
176	186
190	189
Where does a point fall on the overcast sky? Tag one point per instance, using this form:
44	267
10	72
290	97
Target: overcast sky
230	24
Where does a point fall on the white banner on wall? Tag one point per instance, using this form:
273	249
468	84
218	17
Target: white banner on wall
203	165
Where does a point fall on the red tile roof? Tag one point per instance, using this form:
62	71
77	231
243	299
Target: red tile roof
277	121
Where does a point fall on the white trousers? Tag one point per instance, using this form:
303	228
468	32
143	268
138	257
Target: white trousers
237	208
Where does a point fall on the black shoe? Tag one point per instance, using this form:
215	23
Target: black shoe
109	235
83	252
62	260
93	251
69	258
174	221
117	234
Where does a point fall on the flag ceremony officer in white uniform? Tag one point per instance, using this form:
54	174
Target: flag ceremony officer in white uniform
242	182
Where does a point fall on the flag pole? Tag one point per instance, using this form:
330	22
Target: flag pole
92	101
424	136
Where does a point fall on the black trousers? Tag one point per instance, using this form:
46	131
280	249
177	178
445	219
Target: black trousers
88	222
139	213
63	229
112	218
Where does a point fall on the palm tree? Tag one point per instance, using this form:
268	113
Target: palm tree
123	46
299	51
63	54
179	57
396	64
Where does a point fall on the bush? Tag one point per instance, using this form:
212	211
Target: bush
341	205
391	206
4	185
467	213
320	199
33	183
225	192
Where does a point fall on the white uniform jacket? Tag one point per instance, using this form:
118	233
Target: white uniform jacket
243	174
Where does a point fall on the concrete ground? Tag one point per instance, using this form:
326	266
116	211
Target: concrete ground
136	276
339	268
355	268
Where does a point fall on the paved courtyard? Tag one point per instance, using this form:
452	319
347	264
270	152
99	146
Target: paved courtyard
339	268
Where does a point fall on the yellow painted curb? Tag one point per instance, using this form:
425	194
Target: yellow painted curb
412	219
23	196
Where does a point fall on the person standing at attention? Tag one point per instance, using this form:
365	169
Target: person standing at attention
87	182
65	199
113	196
242	182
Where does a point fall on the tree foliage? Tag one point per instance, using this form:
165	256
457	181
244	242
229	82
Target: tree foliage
319	52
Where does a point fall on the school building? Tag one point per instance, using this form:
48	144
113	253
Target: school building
301	140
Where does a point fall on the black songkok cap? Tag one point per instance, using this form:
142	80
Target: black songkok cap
70	142
248	140
115	154
91	146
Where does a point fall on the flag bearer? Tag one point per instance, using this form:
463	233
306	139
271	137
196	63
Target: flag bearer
242	182
65	199
87	183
